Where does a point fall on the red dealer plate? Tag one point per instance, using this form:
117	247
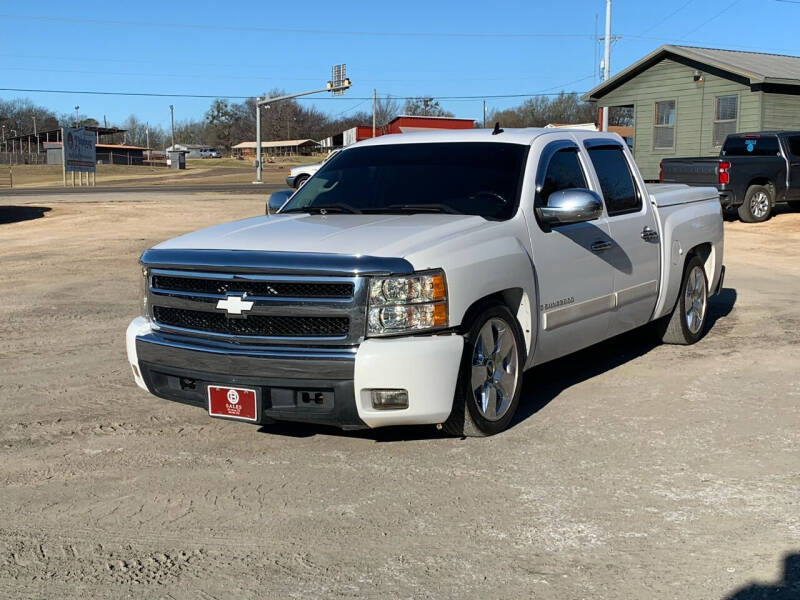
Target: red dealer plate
232	403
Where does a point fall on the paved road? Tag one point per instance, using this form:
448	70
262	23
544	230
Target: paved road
632	471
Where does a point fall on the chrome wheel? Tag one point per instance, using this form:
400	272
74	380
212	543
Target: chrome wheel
495	369
759	205
695	299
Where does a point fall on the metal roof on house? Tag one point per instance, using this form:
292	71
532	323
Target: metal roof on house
754	67
278	144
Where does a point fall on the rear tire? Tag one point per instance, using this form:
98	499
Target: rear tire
687	322
490	380
757	205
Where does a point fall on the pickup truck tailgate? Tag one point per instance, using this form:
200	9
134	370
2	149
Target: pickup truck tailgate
693	171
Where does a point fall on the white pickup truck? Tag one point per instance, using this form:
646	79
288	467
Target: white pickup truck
415	277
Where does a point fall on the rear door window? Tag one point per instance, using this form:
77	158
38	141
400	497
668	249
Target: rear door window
794	144
616	180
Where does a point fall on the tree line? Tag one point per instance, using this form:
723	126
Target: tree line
227	123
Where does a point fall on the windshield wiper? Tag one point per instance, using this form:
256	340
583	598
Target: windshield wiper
327	208
415	208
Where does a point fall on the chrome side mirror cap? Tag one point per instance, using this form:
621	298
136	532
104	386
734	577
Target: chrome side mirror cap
575	205
278	199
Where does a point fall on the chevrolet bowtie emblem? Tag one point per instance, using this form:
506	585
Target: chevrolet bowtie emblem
235	305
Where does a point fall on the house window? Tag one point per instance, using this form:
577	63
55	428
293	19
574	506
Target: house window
664	128
726	112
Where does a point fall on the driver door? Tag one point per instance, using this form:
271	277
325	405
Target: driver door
574	277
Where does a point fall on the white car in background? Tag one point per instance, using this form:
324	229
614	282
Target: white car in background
299	175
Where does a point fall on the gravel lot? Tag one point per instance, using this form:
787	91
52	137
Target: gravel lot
633	470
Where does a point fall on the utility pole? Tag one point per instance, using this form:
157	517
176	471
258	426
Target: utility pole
484	114
172	123
36	135
76	115
607	59
147	136
374	109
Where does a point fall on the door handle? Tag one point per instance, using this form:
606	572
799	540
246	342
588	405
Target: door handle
649	235
600	245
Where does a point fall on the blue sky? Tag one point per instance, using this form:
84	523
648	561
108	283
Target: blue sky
443	48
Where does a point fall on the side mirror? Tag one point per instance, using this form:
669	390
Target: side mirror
277	200
574	205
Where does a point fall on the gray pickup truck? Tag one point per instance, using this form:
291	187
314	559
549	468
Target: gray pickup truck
752	172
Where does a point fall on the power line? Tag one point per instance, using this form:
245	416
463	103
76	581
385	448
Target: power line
669	16
253	29
235	97
716	15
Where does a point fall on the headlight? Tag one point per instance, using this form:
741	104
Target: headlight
407	304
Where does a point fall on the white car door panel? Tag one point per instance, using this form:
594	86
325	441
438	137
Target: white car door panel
573	272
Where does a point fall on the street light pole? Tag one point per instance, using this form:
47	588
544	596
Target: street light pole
331	87
258	141
76	115
172	123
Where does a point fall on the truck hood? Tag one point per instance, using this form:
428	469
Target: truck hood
371	235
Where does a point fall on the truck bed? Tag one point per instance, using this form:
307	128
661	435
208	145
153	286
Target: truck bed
672	194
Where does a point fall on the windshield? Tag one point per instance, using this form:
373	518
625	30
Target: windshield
476	178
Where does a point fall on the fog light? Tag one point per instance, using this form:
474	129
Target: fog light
389	399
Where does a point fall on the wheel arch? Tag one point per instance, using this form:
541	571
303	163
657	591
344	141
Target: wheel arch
515	300
705	252
765	181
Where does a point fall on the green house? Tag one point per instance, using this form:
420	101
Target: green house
685	100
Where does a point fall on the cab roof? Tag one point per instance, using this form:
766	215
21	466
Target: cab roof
524	136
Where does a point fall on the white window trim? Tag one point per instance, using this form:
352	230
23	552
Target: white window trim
674	125
715	121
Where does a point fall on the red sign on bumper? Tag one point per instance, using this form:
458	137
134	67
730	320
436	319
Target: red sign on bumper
232	403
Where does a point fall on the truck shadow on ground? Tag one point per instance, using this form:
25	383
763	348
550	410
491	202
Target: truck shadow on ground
15	214
788	588
541	384
544	383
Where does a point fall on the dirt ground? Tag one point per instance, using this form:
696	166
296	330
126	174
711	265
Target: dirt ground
632	471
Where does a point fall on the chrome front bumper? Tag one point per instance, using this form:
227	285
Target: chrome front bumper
181	369
294	384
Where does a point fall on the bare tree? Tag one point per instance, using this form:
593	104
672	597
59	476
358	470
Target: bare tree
425	107
541	110
386	109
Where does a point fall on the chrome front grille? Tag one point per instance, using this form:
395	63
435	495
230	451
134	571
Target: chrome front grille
269	287
286	309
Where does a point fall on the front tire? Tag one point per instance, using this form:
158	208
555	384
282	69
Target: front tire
687	322
301	179
490	380
757	206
